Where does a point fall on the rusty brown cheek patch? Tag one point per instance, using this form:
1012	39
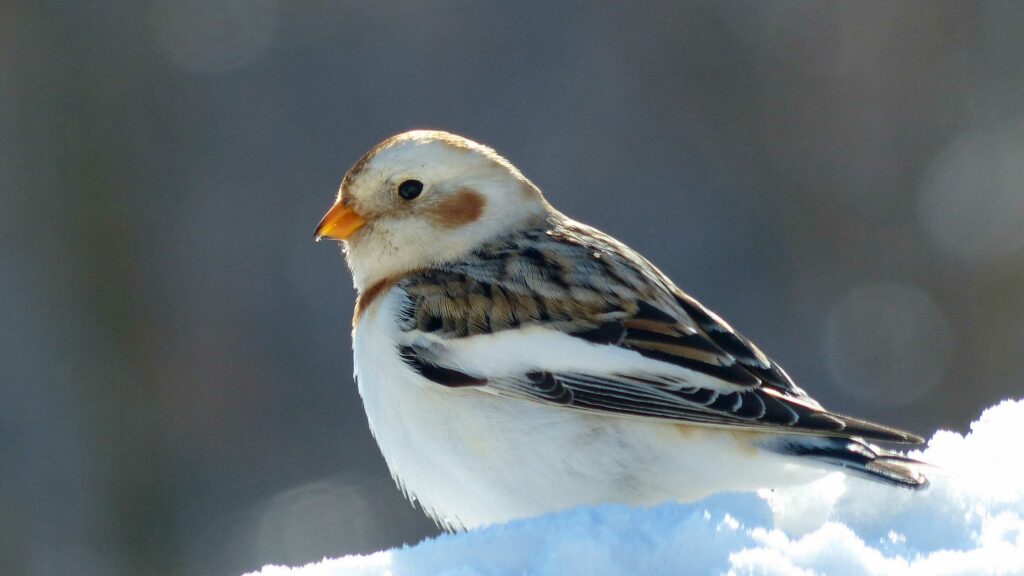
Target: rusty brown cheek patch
460	208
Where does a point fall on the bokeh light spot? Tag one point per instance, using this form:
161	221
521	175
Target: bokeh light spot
307	523
888	344
971	200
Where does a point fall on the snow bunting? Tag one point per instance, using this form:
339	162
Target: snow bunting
514	362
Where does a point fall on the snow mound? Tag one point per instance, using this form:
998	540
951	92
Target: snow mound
969	521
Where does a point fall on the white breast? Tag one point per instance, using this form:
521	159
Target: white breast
471	458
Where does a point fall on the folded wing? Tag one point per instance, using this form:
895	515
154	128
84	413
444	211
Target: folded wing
568	316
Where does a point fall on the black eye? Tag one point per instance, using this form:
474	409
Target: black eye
410	189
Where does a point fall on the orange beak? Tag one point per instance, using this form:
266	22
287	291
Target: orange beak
339	223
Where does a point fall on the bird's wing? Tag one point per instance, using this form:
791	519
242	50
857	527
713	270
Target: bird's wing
569	316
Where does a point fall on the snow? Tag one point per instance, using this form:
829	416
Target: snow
969	521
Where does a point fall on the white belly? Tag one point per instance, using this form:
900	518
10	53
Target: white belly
471	458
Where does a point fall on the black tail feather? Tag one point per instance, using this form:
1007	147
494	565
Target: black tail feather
856	457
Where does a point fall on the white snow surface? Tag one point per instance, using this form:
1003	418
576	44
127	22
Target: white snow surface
969	521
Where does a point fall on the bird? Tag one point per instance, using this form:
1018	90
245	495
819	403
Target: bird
514	362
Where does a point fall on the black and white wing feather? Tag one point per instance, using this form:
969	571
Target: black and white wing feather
644	347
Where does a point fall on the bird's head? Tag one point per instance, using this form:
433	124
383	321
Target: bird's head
422	198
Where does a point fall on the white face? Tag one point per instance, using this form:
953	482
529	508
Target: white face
424	197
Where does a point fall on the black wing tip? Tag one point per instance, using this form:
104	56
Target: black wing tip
877	432
913	439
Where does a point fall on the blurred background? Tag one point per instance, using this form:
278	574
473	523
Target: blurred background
843	181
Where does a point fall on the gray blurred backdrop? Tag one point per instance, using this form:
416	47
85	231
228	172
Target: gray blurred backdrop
843	181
